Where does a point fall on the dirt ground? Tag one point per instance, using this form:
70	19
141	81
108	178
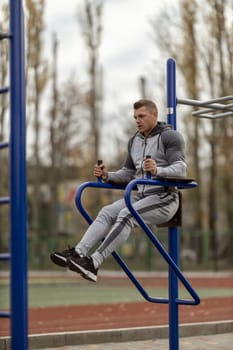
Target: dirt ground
123	315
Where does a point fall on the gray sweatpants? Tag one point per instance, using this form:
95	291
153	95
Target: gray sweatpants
114	223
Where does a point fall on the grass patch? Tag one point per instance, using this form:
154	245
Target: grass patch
62	293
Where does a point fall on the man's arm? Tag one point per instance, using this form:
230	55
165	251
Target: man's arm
123	175
126	173
174	153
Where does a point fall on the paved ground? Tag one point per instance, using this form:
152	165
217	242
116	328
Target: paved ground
210	342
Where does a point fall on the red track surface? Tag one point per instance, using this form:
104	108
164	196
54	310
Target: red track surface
107	316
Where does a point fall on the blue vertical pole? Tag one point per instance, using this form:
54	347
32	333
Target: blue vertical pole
173	234
18	215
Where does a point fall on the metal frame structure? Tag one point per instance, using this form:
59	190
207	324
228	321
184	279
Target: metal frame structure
17	200
172	256
212	106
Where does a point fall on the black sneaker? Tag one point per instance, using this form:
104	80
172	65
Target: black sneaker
60	258
84	266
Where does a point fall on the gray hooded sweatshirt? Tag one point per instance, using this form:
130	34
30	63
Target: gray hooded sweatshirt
164	145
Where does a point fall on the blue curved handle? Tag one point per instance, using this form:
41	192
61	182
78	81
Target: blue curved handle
94	184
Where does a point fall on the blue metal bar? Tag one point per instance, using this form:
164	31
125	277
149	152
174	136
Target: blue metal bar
4	200
137	284
97	184
173	234
18	215
4	145
4	90
171	92
173	247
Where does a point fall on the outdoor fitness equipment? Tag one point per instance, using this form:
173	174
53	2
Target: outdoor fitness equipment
171	258
18	204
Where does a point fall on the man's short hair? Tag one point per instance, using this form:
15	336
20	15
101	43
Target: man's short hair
145	103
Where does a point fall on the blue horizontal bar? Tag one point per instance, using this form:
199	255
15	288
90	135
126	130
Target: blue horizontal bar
3	90
194	301
97	184
4	200
5	256
5	314
4	144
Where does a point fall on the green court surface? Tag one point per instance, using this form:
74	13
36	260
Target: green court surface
60	292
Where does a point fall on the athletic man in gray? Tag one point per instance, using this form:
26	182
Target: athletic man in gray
155	204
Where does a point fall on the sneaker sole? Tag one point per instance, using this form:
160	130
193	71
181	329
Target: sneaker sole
79	272
58	260
82	271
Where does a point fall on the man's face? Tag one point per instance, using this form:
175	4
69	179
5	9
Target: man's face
146	120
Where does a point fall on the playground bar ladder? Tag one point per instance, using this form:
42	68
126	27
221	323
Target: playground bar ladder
17	200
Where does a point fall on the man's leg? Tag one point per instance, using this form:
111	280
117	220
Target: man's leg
96	232
154	209
100	227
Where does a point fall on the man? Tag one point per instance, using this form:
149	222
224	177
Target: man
156	204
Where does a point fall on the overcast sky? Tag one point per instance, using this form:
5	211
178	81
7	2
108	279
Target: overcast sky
127	51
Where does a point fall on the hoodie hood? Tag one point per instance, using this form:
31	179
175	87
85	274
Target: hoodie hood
158	129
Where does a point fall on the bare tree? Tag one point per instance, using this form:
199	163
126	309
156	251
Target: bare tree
188	63
182	45
54	177
65	135
91	23
36	76
205	63
220	72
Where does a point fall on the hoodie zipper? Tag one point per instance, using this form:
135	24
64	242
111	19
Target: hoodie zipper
143	156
